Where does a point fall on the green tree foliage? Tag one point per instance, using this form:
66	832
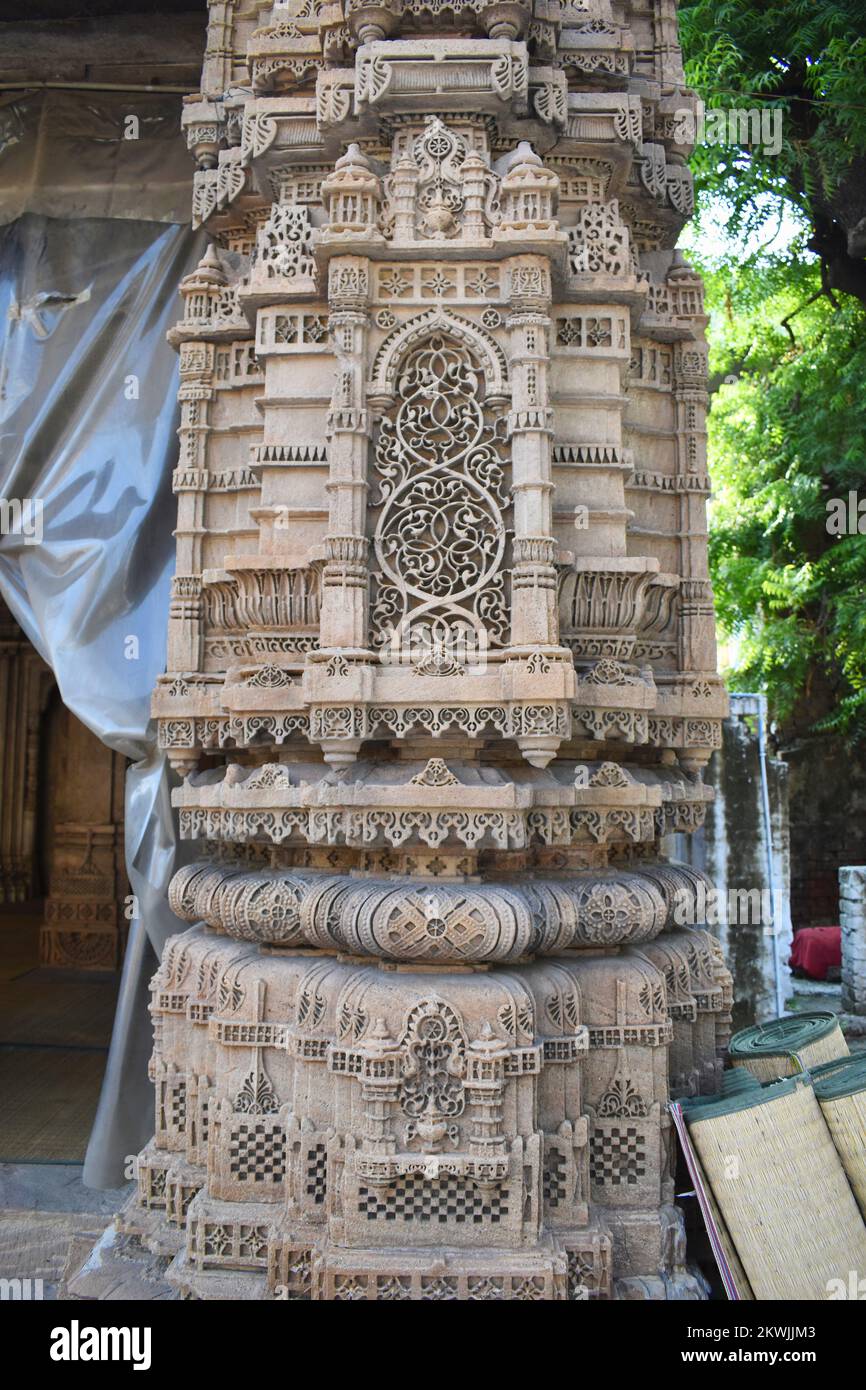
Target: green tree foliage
806	58
787	436
788	351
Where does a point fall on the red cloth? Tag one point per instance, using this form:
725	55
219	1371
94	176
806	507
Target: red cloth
816	950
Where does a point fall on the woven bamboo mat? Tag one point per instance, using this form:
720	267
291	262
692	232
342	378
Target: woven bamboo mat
840	1087
785	1046
781	1189
55	1027
59	1008
48	1099
19	942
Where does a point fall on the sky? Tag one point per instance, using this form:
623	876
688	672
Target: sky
713	241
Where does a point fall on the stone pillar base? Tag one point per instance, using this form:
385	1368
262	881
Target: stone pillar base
133	1260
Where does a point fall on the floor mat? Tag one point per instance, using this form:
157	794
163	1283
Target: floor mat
48	1098
57	1008
19	943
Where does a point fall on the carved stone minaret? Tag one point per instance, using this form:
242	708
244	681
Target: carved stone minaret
441	673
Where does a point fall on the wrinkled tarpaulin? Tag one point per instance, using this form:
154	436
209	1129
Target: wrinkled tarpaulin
87	429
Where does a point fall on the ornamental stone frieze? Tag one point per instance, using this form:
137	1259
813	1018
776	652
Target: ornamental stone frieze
441	679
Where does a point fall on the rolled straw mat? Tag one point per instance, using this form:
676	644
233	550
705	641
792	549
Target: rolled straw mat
841	1090
772	1049
779	1183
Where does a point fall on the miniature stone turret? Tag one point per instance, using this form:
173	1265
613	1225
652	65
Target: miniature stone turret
441	675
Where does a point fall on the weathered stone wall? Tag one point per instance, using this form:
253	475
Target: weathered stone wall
827	782
25	686
852	912
82	830
731	849
61	814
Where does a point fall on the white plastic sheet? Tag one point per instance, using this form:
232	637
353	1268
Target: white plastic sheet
87	445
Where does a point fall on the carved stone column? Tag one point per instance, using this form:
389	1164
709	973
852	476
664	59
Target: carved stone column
435	730
344	606
535	615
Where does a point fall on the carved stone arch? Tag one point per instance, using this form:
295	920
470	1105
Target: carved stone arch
176	962
516	1017
558	998
439	463
403	339
315	1000
357	1007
